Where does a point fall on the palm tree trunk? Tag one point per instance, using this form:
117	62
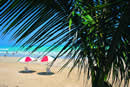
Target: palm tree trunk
99	79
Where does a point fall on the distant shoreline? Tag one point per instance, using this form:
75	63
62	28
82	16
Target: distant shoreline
16	52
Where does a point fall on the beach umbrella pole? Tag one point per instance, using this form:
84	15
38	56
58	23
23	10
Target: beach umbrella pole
26	69
26	60
48	68
47	59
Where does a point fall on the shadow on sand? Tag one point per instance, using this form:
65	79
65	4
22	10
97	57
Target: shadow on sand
27	71
45	73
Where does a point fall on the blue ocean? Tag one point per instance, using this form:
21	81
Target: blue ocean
22	52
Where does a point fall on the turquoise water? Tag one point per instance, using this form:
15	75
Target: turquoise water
21	52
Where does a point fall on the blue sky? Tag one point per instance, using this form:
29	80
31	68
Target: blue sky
5	42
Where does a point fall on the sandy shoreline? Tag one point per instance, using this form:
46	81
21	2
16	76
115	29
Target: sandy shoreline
10	75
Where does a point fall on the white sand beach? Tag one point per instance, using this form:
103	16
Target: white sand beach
10	75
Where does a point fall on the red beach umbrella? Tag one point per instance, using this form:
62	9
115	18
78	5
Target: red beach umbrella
26	60
47	59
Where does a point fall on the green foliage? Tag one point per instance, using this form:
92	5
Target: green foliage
70	23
